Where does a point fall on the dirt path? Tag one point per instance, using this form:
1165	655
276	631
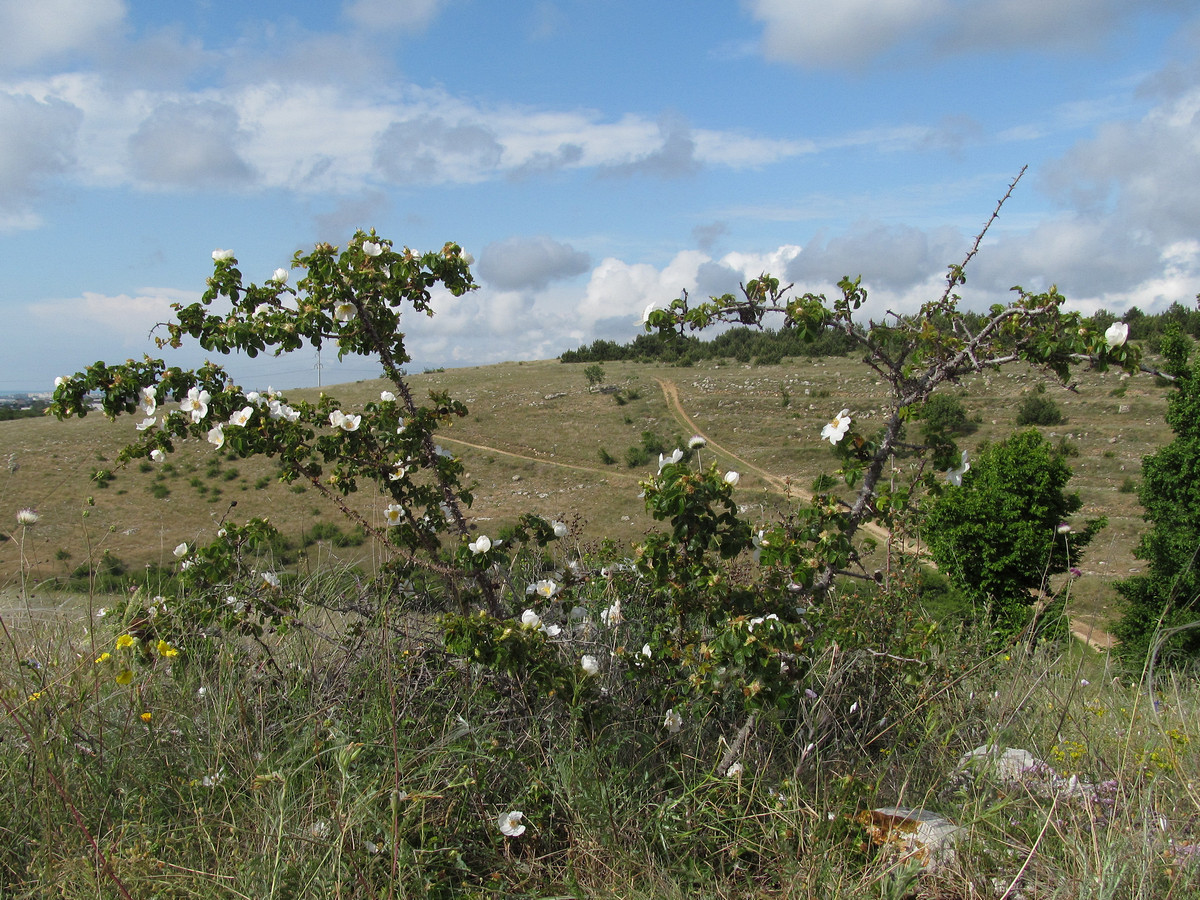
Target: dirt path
541	460
1084	630
783	486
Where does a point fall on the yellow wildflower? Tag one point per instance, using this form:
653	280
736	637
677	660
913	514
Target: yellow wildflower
165	649
103	657
125	640
146	717
124	676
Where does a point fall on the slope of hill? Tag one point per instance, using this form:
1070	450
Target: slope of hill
536	440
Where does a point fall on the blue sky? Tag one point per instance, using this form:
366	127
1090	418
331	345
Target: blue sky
593	155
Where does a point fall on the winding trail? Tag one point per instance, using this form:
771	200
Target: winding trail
541	460
1084	630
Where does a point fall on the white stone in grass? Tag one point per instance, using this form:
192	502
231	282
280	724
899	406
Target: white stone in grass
915	834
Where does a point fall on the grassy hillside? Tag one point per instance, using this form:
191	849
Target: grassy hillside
535	440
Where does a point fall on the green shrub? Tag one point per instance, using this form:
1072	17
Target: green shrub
944	413
999	535
1038	409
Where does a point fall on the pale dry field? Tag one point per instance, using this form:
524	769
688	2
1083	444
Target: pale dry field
533	442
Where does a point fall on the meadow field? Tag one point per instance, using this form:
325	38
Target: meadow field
335	757
533	442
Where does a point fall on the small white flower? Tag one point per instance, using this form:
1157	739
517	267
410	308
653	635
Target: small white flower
219	255
734	771
560	530
1063	528
644	321
196	403
157	455
181	550
344	312
216	436
836	430
370	248
280	276
202	691
546	587
955	476
60	381
646	650
510	823
271	579
732	478
27	517
149	400
320	829
147	423
481	544
102	612
344	421
612	616
394	513
242	416
214	779
530	619
696	442
589	664
1117	334
387	396
664	461
673	721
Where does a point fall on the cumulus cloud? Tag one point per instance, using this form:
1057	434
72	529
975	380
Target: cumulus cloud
850	33
519	263
31	33
543	162
39	142
1145	172
190	144
675	156
430	150
896	257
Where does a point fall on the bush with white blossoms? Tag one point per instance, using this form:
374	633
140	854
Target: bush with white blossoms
711	631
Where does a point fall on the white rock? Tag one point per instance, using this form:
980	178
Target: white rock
915	834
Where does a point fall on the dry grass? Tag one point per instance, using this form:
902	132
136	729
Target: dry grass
533	441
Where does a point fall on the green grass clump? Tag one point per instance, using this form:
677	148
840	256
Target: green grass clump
325	761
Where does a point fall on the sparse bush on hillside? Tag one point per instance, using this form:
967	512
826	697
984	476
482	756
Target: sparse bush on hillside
1005	529
1038	409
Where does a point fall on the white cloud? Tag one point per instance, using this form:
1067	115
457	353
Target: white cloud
519	263
674	157
39	142
400	15
32	32
120	320
190	144
851	33
315	137
432	150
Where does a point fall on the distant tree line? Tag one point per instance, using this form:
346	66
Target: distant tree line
769	347
36	408
764	348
